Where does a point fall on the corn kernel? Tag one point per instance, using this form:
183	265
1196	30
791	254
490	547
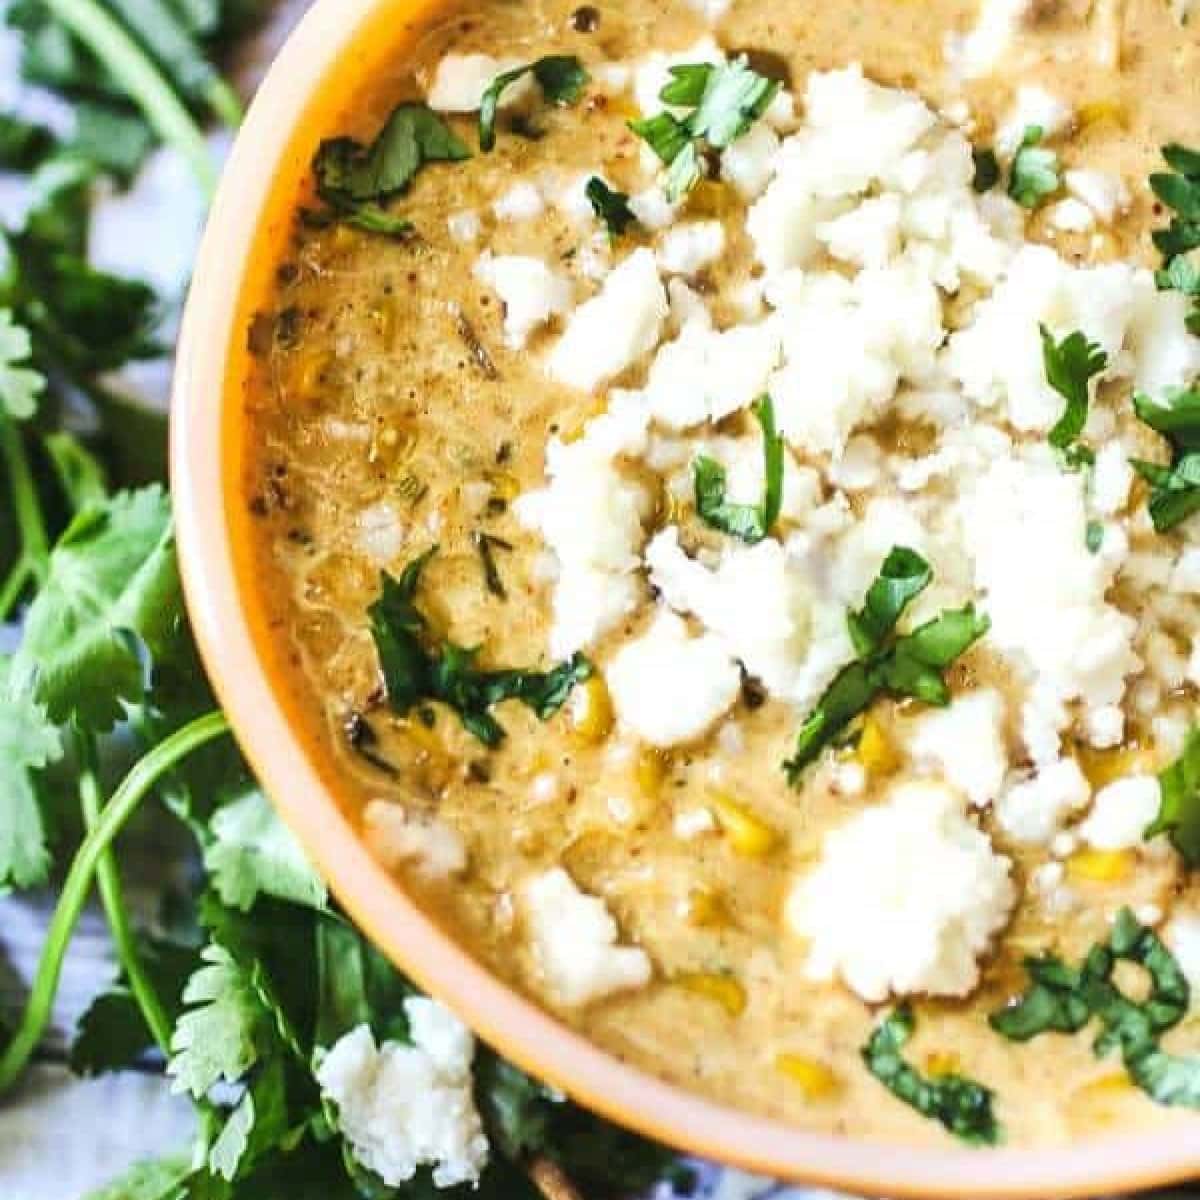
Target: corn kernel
1097	112
1100	866
943	1062
875	750
816	1080
650	770
1102	767
710	198
748	835
505	485
724	989
591	710
706	908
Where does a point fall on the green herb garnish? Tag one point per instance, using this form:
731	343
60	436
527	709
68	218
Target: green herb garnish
1034	174
987	170
418	668
1063	999
1070	365
725	101
1174	487
750	522
357	180
562	78
963	1106
910	665
1179	811
610	206
20	385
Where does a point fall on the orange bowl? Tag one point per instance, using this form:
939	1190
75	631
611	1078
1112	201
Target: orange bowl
337	43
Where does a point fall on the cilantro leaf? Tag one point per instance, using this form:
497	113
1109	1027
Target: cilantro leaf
610	206
1179	807
253	853
417	667
20	386
1180	192
112	586
910	665
963	1106
903	576
218	1037
987	170
1178	419
23	144
725	100
750	522
1070	366
562	78
1034	173
355	180
1174	490
28	744
1053	1002
158	1179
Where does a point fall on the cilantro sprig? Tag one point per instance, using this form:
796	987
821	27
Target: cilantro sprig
561	77
610	206
1070	366
418	667
1063	999
960	1104
907	665
358	180
724	101
749	522
1174	486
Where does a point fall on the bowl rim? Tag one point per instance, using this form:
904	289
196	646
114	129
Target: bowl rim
333	36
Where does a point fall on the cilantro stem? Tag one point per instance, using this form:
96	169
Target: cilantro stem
35	544
141	79
14	585
108	883
144	774
225	103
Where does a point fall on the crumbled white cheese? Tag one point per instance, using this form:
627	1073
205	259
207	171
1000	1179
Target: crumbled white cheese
1120	813
669	687
906	897
868	235
399	838
574	937
1185	574
1166	354
591	515
573	201
1071	216
615	328
461	79
692	822
749	161
965	744
1045	592
522	202
464	225
980	49
532	293
754	602
380	532
653	209
1112	477
710	10
688	247
1034	809
1182	936
1034	107
1106	195
400	1107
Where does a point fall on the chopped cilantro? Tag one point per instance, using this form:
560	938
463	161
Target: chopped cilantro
356	180
1093	537
417	668
1062	999
1070	365
750	522
610	206
987	170
1179	810
963	1106
1034	173
1174	487
562	78
910	665
725	100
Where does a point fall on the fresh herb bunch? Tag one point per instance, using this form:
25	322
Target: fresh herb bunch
105	715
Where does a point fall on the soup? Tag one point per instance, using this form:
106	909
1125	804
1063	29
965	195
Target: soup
718	551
